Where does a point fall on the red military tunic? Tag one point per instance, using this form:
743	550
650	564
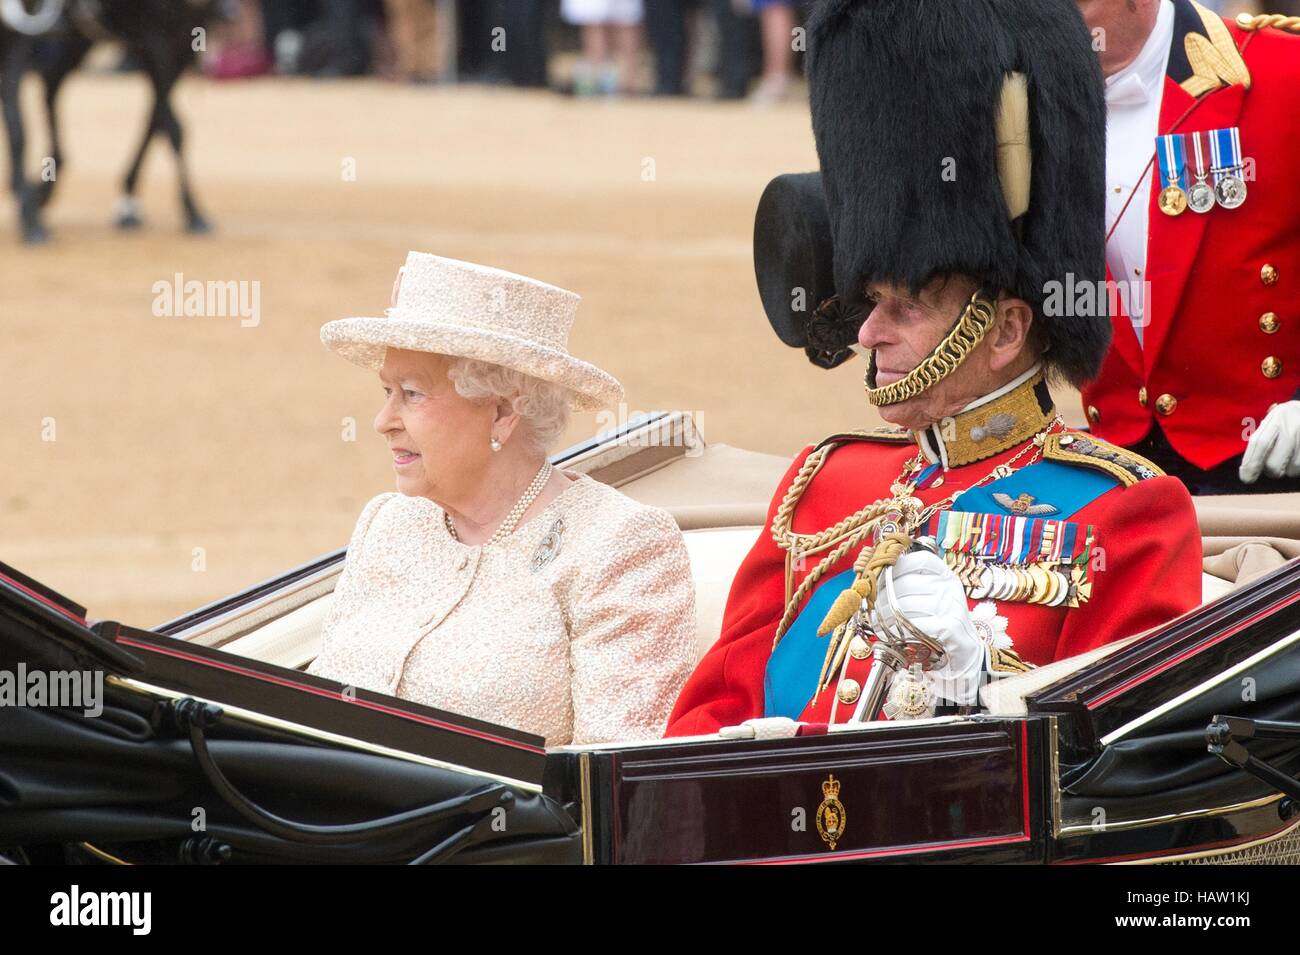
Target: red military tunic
1151	573
1222	343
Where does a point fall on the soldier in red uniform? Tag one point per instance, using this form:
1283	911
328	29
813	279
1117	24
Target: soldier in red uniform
1203	221
979	536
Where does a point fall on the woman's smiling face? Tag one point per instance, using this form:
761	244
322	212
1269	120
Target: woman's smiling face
439	441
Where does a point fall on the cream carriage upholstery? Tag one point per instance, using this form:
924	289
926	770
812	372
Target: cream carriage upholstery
719	496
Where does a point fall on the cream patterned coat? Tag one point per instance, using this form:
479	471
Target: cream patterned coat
591	644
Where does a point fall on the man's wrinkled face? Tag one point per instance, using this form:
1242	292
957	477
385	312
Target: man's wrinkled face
903	329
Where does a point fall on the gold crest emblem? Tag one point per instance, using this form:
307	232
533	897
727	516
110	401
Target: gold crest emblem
832	817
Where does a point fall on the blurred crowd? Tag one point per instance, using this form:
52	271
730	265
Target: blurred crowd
730	49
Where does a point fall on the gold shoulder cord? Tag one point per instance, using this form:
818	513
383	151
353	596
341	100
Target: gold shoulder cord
842	537
1277	20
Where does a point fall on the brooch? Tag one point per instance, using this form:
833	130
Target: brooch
549	545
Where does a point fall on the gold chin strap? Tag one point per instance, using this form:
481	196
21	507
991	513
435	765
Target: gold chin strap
974	324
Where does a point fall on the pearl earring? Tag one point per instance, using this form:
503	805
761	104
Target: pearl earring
496	445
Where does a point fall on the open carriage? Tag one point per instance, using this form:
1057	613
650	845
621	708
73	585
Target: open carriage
214	747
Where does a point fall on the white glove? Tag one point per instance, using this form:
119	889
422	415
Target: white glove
931	597
1274	448
763	727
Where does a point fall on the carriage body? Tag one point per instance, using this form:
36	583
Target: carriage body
1101	758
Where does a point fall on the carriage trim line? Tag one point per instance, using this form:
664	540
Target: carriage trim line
273	722
10	582
326	567
1089	828
1191	651
1200	688
889	851
1206	851
317	691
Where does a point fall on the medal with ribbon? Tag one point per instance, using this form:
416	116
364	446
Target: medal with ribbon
1173	165
1226	164
1200	197
1025	559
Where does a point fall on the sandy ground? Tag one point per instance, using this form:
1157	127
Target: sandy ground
152	464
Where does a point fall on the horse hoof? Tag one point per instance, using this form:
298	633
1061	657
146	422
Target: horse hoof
35	235
128	222
198	226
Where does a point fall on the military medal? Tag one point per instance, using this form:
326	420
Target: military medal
1200	198
1016	557
1225	157
1173	200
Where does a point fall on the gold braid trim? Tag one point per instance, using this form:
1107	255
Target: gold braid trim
1247	22
868	566
865	585
808	544
975	321
830	560
843	536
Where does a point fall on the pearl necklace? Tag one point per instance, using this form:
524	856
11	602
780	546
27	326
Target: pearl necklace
507	527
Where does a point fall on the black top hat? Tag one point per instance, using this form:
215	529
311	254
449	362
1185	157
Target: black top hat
794	265
907	99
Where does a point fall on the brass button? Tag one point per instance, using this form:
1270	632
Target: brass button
859	649
1268	275
1142	396
1268	323
1093	414
1166	404
848	691
1271	367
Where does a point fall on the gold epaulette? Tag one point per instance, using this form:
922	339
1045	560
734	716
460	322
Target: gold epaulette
1278	21
1213	57
1074	447
883	434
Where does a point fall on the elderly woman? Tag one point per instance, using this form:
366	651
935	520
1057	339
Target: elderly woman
491	584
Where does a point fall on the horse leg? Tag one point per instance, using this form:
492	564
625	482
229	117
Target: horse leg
68	52
13	60
128	213
194	219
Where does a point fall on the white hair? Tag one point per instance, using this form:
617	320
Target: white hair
544	406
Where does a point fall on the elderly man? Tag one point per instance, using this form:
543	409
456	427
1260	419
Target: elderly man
1203	240
962	154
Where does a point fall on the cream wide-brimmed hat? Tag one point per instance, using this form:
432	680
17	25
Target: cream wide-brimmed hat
473	311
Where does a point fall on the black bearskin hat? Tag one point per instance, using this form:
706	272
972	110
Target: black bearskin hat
905	98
